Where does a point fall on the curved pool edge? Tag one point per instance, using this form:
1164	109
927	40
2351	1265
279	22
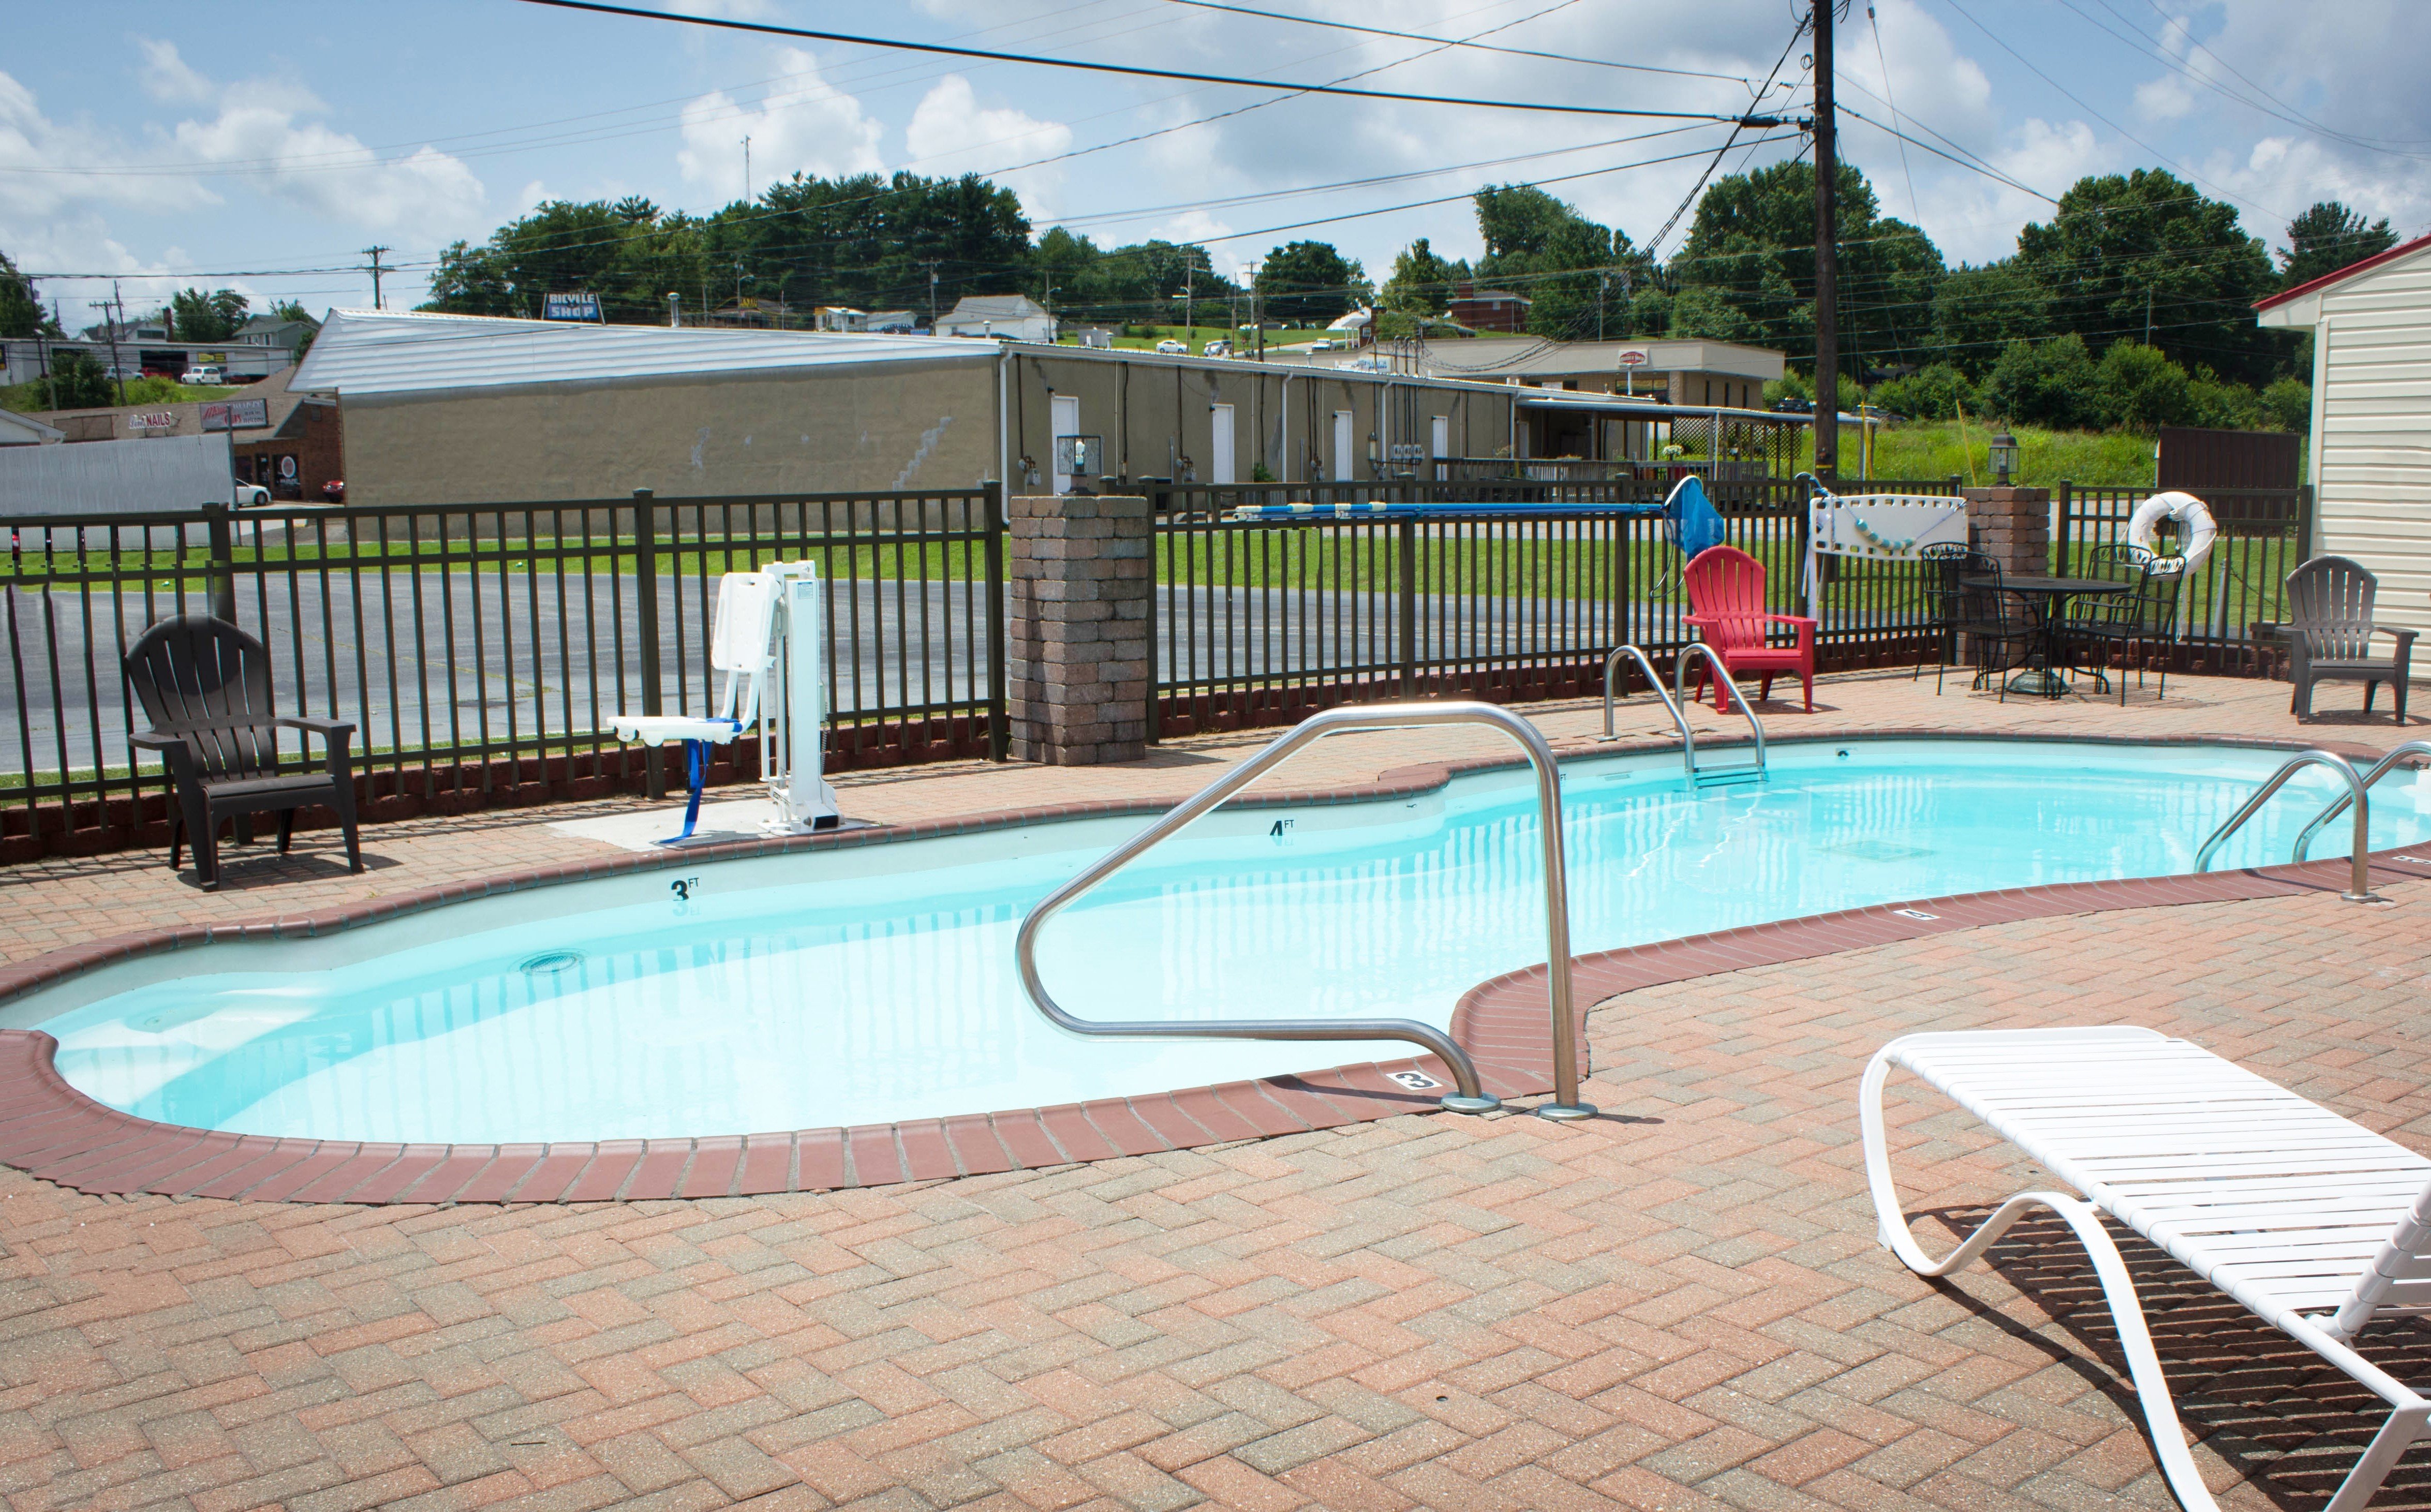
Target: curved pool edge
57	1134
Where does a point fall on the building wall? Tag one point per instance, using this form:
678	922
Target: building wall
314	436
891	426
1157	417
2372	434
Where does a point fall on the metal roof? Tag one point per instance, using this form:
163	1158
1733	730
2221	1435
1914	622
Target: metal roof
364	352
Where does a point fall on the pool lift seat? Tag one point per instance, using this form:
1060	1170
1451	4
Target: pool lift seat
766	629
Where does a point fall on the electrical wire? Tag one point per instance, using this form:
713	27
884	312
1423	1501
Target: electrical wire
1131	70
1411	36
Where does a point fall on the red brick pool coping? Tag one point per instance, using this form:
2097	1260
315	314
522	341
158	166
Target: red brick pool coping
55	1133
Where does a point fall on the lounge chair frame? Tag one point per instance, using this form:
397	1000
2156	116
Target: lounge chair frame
2313	1223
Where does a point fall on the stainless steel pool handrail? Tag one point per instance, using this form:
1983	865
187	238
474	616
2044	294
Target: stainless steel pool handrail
2338	806
2359	878
1722	679
1612	664
1673	705
1470	1096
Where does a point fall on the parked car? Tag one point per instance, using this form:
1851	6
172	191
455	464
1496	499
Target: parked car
1321	347
1792	404
334	491
1217	347
1173	348
248	494
208	372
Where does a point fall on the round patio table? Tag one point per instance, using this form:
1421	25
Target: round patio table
2047	601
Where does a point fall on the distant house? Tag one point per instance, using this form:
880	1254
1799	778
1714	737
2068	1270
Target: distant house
1489	309
290	336
1011	317
2371	408
838	317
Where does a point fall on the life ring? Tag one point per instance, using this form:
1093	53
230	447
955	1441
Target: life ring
2196	531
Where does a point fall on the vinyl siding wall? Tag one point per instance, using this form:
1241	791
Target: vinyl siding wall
2373	434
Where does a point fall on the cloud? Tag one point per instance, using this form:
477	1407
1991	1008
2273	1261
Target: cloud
950	134
333	174
166	76
803	124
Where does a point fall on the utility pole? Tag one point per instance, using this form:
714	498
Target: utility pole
2148	315
1827	264
114	320
747	169
1189	267
933	297
375	253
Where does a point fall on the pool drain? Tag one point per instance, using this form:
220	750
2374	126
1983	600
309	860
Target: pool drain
549	964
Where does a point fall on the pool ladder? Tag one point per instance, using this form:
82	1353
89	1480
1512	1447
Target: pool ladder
1468	1095
2357	796
1680	686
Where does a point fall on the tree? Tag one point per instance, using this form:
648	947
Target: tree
21	311
1422	282
1978	311
2329	237
1936	391
2128	249
77	382
196	316
2044	383
1309	283
1570	267
1754	243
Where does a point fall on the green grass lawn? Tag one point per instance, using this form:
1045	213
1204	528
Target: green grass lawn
30	398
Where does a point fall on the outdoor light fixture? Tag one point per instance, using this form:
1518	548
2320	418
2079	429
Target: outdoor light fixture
2004	458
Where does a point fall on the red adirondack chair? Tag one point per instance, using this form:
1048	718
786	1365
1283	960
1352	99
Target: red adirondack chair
1726	604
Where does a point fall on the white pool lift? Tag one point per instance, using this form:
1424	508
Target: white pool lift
767	629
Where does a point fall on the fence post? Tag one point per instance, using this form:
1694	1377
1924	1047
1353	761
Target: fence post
999	732
646	605
1407	630
2064	529
223	570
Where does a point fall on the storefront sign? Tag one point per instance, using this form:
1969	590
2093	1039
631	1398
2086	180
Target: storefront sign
157	422
236	414
578	306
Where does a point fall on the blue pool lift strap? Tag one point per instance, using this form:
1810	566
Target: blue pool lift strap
1315	513
1690	519
696	778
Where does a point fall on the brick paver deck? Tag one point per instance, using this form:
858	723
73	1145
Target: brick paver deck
1678	1306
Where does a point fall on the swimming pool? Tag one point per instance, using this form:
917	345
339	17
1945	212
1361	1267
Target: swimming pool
876	983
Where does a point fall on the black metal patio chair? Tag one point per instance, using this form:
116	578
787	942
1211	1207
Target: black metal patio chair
1947	569
205	685
2129	625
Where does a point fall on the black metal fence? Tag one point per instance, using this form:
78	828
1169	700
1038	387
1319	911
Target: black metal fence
1260	621
2262	538
483	651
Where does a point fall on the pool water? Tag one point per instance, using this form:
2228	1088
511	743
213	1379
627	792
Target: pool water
877	983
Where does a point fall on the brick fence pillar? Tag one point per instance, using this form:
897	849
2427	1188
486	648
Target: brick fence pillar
2012	525
1077	587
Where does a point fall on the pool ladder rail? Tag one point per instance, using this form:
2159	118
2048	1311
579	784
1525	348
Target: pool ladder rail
1673	706
1469	1096
2357	796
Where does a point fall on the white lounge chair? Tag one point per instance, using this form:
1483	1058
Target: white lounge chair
741	646
2314	1223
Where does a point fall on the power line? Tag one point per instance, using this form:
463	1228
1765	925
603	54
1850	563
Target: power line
1475	46
1131	70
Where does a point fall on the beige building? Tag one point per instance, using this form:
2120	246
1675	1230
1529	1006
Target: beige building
444	408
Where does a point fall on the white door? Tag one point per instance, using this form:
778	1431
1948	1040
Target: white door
1439	437
1344	467
1219	465
1064	413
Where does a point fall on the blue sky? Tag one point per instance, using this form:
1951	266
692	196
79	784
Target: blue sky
264	147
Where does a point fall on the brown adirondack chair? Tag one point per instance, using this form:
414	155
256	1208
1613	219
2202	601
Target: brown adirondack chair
205	685
2329	636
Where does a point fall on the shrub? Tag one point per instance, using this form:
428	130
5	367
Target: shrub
2290	404
1936	392
78	382
2227	405
2051	383
2138	388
